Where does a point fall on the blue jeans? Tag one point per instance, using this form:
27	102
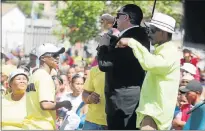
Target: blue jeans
92	126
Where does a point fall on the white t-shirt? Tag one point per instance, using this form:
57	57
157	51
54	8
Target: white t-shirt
75	101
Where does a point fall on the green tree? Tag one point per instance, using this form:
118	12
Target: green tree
25	7
80	19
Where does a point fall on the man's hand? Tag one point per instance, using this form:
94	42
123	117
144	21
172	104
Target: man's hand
67	105
94	98
122	43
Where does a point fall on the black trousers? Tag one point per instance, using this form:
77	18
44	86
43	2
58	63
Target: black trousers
120	121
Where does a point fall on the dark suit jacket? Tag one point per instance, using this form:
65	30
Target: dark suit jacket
124	75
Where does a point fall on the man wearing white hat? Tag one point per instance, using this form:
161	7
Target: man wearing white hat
160	87
41	103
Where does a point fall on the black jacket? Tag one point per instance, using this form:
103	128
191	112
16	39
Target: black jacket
124	75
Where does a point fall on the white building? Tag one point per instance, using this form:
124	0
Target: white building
13	26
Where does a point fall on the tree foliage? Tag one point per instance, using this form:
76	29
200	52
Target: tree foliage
25	7
80	17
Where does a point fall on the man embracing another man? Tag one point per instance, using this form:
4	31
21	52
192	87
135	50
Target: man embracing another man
123	73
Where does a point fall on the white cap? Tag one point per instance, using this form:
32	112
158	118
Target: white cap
15	73
49	48
163	22
189	68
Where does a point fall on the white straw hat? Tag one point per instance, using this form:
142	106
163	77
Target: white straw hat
163	22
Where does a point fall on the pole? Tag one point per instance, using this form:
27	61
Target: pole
32	27
153	7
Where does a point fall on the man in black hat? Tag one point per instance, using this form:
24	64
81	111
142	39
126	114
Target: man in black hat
124	75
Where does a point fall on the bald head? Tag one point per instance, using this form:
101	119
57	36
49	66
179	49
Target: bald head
107	17
107	21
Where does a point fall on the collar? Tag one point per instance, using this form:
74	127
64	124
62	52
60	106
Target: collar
122	32
158	48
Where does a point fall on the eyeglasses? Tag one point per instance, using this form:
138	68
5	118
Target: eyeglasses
51	55
119	14
152	30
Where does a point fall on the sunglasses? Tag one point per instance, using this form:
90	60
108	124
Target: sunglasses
152	30
119	14
51	55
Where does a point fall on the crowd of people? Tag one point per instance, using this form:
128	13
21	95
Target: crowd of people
124	87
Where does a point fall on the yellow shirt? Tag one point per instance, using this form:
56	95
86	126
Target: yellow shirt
77	59
95	83
160	87
7	69
38	119
13	113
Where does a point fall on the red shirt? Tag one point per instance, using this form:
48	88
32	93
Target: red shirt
193	61
184	109
70	61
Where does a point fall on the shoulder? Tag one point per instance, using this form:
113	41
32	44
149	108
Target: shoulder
40	74
136	30
139	34
65	96
95	71
6	98
202	107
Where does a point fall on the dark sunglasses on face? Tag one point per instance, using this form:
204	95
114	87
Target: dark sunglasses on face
51	55
119	14
153	30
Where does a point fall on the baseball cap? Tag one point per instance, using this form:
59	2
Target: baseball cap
193	85
49	48
189	68
15	73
